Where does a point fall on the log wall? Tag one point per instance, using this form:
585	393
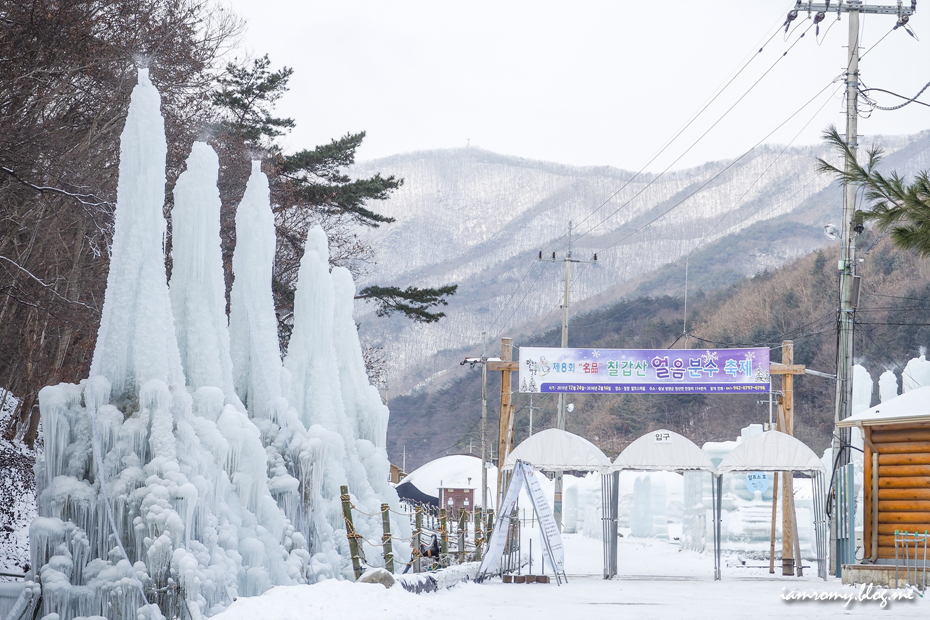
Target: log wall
903	483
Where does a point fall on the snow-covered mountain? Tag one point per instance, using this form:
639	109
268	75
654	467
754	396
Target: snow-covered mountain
479	219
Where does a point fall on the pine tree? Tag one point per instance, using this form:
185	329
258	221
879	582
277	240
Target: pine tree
308	187
896	205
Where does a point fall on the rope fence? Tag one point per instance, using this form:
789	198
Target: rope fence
429	541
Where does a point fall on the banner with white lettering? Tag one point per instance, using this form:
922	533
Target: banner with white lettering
644	371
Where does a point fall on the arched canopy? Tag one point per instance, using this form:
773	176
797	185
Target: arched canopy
771	451
553	449
662	450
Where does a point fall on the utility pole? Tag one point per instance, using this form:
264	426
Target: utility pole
484	432
505	438
531	407
560	418
849	281
483	360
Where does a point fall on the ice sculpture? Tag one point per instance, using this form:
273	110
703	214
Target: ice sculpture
197	288
916	374
157	490
887	386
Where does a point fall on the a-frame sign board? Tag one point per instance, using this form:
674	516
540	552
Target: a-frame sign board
523	474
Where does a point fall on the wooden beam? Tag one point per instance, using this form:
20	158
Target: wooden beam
504	365
787	369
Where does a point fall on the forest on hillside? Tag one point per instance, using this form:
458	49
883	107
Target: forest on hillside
797	302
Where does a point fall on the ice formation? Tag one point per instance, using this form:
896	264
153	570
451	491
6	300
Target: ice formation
156	481
197	288
131	347
887	386
916	374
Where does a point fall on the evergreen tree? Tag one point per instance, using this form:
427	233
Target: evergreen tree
896	205
308	187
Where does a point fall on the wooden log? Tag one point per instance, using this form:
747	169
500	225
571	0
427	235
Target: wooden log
904	447
904	517
903	459
921	433
903	506
386	538
350	531
867	503
887	552
909	482
904	493
903	470
885	529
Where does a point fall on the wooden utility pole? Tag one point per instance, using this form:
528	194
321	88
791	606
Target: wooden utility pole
786	424
791	560
505	439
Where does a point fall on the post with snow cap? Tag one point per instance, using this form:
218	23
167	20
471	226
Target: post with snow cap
351	534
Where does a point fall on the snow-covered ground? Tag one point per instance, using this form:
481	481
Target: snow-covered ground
656	581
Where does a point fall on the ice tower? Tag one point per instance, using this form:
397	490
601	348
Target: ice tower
156	481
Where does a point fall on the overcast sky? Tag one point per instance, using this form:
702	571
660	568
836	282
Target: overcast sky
586	82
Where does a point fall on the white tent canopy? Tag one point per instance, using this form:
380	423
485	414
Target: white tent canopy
662	450
913	406
553	449
771	451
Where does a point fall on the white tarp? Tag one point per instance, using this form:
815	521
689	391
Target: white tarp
662	450
771	451
553	449
523	474
913	406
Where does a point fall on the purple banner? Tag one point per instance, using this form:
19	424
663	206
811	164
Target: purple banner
644	371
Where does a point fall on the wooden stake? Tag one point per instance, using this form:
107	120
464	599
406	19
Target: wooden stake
478	540
416	540
443	532
350	531
463	526
386	539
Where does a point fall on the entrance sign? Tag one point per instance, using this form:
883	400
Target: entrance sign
644	371
523	474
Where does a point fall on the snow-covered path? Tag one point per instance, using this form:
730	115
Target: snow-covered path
668	585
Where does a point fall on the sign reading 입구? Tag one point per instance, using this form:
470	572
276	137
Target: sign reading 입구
644	371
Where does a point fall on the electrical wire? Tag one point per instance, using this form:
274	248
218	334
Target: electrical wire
913	99
718	175
684	128
711	128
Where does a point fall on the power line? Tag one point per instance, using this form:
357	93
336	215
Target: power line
714	125
719	174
